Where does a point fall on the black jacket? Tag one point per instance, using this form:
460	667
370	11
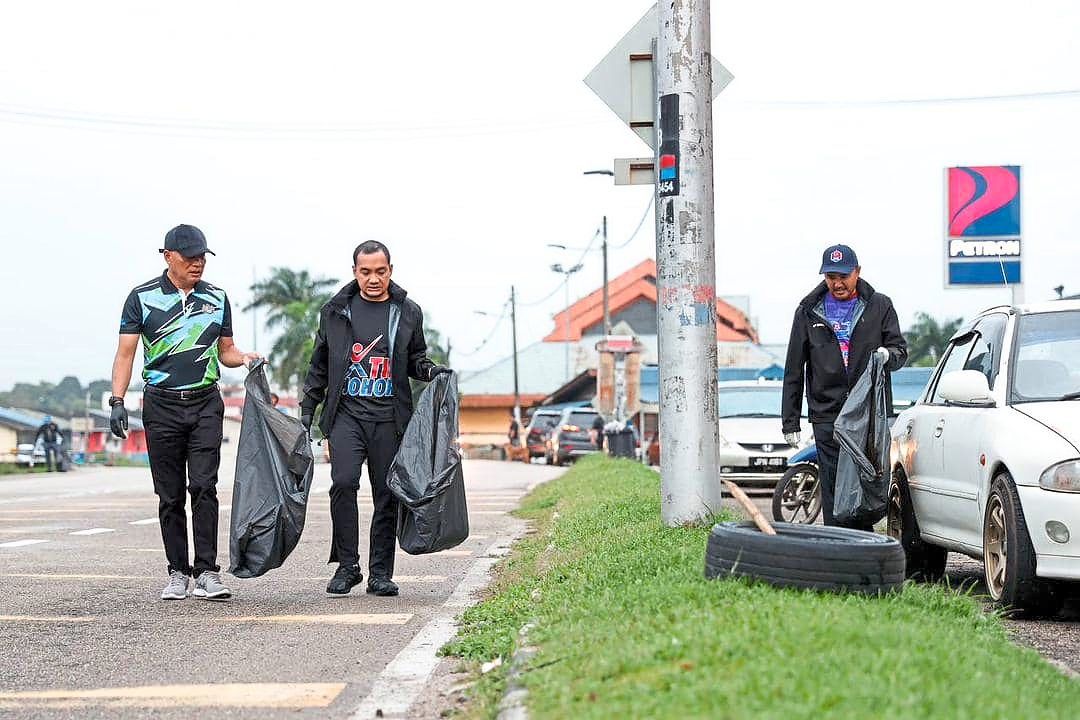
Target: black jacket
49	431
815	364
333	347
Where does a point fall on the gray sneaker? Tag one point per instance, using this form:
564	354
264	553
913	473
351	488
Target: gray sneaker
177	587
208	586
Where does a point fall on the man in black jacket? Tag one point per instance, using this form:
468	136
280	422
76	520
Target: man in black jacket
370	342
49	435
837	328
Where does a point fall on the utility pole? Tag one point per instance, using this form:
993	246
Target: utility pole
686	264
513	332
607	314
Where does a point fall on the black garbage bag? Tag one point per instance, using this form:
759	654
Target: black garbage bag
274	468
426	474
862	430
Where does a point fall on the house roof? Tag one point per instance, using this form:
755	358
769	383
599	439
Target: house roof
23	419
639	282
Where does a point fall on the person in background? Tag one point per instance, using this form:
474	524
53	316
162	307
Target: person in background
49	436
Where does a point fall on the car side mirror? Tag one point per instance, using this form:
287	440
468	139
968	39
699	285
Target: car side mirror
967	388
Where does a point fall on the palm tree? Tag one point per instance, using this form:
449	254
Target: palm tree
927	339
293	299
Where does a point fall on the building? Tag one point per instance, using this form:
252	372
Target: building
557	369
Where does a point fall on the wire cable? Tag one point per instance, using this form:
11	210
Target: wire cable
494	329
641	223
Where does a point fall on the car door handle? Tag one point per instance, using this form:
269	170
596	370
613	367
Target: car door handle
939	428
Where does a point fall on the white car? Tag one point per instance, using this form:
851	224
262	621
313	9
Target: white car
752	446
987	462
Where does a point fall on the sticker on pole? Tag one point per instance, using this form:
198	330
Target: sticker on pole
668	157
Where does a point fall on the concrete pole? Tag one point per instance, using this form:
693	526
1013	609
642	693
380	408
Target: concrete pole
513	332
686	265
607	313
566	337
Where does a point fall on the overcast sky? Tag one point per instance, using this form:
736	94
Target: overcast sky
457	134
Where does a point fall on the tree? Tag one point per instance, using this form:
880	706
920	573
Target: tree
927	339
437	350
293	300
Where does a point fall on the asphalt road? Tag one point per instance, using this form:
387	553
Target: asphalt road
85	635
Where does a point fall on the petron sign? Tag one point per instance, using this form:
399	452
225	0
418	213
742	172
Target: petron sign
983	239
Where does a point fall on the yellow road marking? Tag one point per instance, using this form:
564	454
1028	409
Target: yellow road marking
47	618
343	619
265	695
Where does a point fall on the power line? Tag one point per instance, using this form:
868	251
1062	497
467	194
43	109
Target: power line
1048	95
641	223
567	277
494	329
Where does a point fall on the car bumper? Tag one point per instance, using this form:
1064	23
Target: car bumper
1060	561
752	479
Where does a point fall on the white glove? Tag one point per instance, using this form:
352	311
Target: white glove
882	353
792	439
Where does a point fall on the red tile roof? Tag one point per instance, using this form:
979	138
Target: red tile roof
639	282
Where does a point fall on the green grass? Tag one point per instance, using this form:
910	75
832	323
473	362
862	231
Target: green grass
628	627
14	469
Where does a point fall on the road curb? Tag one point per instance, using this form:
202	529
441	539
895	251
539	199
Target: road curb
513	704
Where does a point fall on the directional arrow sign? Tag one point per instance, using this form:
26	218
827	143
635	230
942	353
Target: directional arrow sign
625	78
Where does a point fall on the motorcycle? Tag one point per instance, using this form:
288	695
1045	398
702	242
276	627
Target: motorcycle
797	497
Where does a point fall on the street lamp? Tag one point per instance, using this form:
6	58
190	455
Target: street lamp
557	267
607	315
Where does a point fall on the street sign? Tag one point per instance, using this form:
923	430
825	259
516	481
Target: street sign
635	171
982	239
625	79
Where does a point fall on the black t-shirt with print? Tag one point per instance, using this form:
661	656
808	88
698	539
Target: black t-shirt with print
369	388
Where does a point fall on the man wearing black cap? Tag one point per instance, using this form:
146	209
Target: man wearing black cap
837	328
370	342
186	328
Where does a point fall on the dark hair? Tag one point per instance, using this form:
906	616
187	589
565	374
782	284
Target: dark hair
370	247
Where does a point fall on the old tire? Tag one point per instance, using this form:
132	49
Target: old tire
1009	560
925	562
806	557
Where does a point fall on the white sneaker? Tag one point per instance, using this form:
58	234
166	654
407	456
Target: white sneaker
177	587
208	586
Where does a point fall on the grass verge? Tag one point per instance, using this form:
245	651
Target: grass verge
629	627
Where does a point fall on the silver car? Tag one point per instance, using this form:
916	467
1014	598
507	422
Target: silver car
752	446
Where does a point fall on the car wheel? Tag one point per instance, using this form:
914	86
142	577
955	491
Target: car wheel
1009	558
797	497
806	556
924	561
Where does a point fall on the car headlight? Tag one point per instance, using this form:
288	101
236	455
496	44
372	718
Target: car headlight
1063	477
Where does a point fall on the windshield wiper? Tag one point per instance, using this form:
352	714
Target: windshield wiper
1071	396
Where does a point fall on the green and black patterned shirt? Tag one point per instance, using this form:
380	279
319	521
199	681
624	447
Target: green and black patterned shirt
179	336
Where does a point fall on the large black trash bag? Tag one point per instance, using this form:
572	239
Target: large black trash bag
862	430
426	474
274	468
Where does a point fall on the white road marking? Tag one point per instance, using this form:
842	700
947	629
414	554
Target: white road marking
147	521
401	682
63	576
21	543
265	695
93	531
488	512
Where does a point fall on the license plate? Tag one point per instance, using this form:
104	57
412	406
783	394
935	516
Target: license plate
777	462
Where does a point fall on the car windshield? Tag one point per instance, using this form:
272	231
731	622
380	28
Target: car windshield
583	420
751	402
545	420
1047	363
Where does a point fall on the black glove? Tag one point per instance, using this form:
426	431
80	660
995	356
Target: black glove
437	370
118	423
306	421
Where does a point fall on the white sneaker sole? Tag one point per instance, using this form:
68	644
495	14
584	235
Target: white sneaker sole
170	596
219	595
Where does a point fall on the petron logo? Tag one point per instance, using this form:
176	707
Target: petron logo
836	256
984	201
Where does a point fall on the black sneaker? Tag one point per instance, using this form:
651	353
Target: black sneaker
383	587
345	579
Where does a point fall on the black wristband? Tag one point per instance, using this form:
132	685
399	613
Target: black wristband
114	401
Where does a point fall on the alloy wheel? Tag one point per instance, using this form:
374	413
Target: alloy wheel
995	547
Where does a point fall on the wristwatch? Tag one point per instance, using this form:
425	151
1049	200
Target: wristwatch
114	401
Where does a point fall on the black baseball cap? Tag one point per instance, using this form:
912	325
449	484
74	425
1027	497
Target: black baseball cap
187	240
839	259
